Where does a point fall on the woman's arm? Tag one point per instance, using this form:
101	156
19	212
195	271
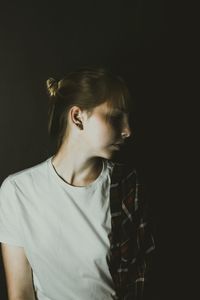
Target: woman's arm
18	273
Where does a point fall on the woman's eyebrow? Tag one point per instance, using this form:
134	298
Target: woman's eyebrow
121	110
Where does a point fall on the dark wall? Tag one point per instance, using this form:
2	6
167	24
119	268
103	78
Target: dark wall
130	37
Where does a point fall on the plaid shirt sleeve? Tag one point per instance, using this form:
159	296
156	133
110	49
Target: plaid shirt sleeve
131	240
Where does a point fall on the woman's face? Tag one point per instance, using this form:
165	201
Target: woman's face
103	130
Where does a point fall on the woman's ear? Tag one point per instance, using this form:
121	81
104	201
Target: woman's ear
76	116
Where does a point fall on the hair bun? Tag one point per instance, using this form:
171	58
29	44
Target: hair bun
52	86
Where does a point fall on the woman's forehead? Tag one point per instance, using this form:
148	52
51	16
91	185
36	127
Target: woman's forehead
110	107
117	110
107	109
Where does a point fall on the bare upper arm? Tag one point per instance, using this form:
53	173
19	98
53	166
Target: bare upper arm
18	273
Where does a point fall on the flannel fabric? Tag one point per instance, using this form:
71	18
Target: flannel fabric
131	240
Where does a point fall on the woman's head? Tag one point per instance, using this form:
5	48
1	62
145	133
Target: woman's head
85	88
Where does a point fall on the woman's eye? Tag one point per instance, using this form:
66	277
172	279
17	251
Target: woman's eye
116	119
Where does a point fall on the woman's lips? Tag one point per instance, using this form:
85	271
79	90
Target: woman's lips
116	146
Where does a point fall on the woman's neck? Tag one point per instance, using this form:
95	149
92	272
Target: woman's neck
77	171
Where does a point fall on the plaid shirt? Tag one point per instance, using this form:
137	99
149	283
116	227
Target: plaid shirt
131	241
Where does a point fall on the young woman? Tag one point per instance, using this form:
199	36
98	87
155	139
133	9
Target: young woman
73	227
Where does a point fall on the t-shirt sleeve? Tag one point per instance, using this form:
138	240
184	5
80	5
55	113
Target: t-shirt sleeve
10	231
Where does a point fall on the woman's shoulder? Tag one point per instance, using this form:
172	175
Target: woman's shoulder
26	175
122	170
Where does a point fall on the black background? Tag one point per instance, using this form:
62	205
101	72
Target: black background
138	40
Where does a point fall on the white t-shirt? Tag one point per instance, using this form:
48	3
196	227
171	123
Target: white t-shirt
63	229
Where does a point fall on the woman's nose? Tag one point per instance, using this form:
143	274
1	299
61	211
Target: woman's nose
126	131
